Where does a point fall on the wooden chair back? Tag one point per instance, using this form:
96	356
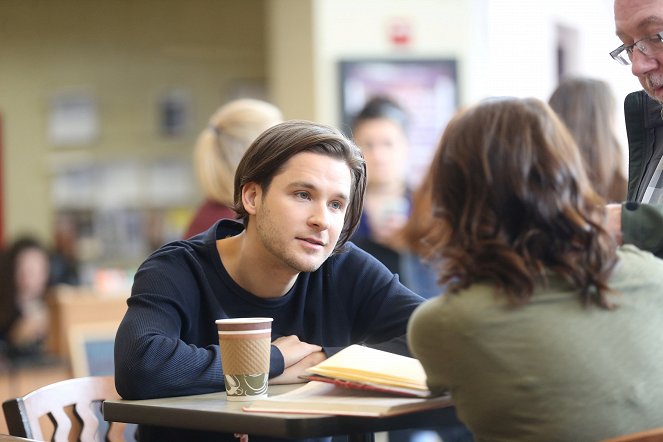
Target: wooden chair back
653	435
82	396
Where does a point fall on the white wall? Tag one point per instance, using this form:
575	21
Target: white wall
521	48
346	29
503	47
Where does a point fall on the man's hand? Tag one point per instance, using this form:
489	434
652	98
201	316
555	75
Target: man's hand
291	374
294	350
613	221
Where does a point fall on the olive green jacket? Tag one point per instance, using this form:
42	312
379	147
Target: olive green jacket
551	370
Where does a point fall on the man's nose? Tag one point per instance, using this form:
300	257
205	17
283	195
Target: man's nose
320	216
641	63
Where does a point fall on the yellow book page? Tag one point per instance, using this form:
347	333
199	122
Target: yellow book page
365	364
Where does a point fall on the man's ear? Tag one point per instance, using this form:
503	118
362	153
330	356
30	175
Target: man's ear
251	194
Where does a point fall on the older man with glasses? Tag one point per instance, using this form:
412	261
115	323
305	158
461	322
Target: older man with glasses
639	25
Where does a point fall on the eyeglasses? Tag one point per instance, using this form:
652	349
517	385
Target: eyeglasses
649	46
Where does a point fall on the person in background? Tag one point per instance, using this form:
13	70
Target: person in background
548	331
299	190
24	319
380	131
587	107
64	262
639	25
220	146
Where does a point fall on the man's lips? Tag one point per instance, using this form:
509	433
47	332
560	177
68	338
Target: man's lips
313	241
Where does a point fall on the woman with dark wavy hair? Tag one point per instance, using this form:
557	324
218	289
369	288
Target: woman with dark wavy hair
548	332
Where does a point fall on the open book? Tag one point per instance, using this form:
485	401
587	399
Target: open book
325	398
362	367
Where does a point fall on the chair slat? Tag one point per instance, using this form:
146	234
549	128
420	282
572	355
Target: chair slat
89	421
62	424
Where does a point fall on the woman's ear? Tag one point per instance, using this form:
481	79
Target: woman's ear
251	193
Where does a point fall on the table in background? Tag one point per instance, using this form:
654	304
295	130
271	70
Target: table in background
80	306
212	412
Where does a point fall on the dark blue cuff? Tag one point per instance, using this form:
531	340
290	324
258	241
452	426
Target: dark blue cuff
276	362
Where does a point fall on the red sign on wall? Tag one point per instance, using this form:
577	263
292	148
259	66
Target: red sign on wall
400	32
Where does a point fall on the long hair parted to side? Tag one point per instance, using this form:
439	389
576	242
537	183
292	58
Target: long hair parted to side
510	188
587	108
268	154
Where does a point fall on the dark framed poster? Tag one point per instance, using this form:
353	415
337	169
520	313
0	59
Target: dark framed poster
426	88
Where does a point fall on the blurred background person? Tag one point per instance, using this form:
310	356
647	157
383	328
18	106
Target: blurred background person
220	146
64	262
380	130
24	318
540	301
587	108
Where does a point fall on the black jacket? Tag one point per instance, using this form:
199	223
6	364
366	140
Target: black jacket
644	128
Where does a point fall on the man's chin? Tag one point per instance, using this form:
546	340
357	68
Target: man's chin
655	93
307	266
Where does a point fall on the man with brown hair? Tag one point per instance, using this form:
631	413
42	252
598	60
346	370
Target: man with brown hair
299	190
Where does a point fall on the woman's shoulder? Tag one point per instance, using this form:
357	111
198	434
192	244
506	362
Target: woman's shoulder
632	258
467	305
636	269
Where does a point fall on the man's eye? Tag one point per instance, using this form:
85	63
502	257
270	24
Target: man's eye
303	195
336	205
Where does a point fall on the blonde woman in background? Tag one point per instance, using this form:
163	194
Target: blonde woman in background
587	108
220	146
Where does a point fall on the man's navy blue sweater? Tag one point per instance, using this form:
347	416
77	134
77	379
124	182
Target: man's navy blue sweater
167	343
